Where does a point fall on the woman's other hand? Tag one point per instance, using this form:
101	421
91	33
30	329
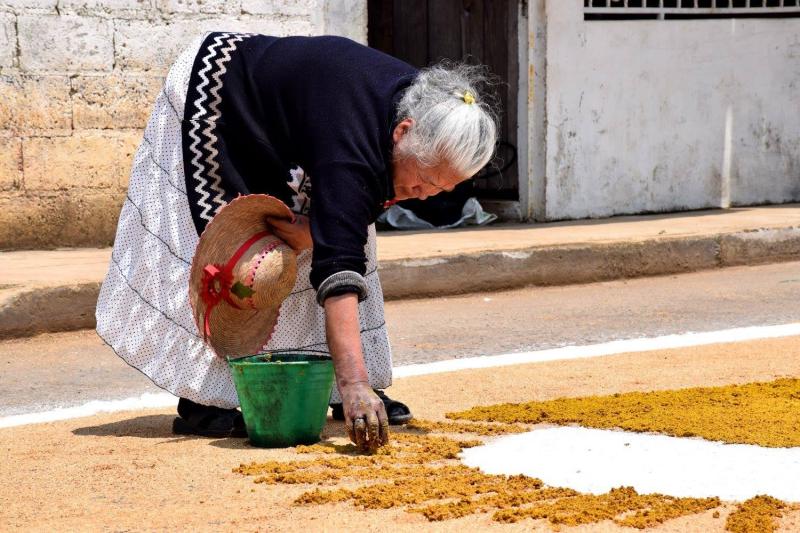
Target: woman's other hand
364	416
297	233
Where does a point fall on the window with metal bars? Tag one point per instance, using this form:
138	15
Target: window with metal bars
688	9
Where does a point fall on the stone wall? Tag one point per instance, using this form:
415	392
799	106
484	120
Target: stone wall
77	79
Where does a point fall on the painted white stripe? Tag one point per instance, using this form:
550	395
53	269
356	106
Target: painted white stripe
148	400
160	400
598	460
596	350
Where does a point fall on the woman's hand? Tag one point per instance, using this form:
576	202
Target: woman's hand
297	233
364	416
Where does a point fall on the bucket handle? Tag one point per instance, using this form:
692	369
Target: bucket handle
280	351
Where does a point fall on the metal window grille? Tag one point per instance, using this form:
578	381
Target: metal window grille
682	9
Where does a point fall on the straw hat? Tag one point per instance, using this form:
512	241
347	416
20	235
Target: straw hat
241	274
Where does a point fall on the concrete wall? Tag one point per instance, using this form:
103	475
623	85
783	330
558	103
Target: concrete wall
655	115
77	79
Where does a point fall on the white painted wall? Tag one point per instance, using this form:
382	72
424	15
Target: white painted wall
655	115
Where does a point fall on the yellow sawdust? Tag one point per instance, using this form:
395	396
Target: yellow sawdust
648	509
466	427
756	515
765	414
419	472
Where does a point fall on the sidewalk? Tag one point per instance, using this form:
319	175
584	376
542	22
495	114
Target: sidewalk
56	290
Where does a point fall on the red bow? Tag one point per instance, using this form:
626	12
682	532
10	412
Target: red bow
218	280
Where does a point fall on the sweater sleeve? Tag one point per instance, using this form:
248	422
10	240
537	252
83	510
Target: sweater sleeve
341	211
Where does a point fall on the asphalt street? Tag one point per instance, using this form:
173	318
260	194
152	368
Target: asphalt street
67	369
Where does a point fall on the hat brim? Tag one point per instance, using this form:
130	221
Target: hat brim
238	332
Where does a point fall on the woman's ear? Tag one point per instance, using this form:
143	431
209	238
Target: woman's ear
403	127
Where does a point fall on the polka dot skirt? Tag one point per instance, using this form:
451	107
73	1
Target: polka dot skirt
143	311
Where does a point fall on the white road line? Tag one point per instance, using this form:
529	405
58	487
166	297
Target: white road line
148	400
683	340
164	399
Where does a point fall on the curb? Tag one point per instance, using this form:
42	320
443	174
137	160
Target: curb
25	312
574	264
33	310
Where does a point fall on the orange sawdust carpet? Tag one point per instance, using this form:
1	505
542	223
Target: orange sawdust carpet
420	471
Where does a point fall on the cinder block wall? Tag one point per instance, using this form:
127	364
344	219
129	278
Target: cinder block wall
77	80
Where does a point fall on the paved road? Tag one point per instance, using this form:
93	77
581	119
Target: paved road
73	368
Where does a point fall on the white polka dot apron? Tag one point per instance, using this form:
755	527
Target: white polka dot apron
143	311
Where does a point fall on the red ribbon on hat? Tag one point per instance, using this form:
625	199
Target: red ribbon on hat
217	281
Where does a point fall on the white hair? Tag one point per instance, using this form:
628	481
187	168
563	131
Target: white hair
454	118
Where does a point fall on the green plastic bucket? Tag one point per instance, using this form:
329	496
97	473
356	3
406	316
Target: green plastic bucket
284	397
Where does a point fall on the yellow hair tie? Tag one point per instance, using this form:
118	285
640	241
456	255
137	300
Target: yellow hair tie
468	98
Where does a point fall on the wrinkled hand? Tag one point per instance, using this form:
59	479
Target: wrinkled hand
364	416
297	233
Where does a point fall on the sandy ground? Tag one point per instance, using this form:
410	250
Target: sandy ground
126	471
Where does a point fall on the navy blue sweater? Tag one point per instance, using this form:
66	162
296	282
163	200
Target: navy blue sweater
259	106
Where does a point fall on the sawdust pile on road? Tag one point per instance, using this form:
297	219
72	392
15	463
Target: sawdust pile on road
756	515
487	430
764	414
419	472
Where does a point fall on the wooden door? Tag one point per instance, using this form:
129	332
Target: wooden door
423	32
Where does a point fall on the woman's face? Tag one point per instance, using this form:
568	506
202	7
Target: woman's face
413	180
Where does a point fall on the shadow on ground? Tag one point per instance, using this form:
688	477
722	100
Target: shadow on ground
332	429
160	427
146	427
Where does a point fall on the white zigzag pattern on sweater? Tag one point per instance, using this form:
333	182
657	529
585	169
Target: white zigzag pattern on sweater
196	159
213	171
209	208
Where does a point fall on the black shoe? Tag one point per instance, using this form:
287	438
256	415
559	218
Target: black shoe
398	412
208	421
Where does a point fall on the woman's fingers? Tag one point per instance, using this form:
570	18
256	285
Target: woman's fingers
296	233
281	227
348	424
373	430
368	432
282	224
383	426
365	416
360	430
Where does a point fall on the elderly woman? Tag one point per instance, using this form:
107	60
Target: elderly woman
335	130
